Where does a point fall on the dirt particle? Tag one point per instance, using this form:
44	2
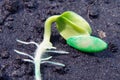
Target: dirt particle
53	12
75	56
37	28
106	1
42	19
61	1
19	72
12	5
17	63
93	12
90	1
9	25
26	0
16	73
3	67
118	23
71	0
2	76
62	71
30	5
3	18
10	19
0	30
112	47
30	70
3	15
4	55
51	0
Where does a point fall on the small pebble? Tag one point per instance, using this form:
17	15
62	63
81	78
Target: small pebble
101	34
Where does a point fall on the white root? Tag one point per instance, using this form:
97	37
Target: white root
31	42
23	53
54	63
58	52
28	60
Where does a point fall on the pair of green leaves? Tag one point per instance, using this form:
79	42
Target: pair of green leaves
76	31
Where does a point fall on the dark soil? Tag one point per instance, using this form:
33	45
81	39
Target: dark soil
24	20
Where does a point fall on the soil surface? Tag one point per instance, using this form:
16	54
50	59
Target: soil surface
24	20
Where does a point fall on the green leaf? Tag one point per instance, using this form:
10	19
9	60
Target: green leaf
88	44
71	24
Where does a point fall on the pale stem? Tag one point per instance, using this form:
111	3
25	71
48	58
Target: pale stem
48	23
38	54
41	48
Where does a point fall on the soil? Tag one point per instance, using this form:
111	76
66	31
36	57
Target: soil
24	20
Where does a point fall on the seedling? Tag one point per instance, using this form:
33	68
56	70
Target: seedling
74	29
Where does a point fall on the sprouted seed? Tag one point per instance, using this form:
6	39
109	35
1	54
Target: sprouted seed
74	29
